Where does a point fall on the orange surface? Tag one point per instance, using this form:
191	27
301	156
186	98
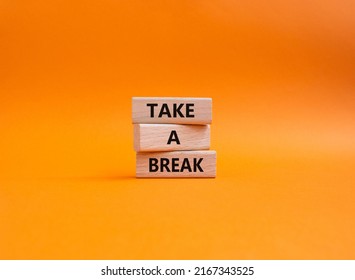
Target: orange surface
282	78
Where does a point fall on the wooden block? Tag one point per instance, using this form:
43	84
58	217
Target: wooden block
171	137
172	110
176	164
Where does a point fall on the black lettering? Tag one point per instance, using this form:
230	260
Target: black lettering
164	111
190	109
175	165
177	110
164	163
173	137
153	165
197	164
158	271
152	105
185	165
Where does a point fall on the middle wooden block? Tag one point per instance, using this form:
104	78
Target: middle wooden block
171	137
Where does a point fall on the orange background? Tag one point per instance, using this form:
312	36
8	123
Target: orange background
282	78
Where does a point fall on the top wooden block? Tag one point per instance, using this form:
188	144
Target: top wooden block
172	110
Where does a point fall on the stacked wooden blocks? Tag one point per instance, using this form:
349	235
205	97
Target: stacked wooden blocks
172	137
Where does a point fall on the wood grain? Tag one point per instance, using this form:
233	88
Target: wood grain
155	137
161	110
176	164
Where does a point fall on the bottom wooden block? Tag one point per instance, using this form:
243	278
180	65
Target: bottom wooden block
176	164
